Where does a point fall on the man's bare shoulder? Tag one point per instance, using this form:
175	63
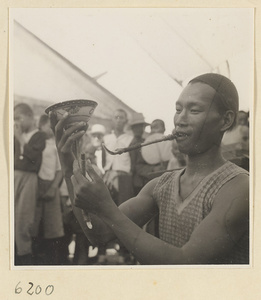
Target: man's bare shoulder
235	190
149	187
238	184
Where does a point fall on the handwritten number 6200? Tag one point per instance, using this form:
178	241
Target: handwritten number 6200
30	291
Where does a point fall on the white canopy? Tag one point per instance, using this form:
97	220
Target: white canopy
145	56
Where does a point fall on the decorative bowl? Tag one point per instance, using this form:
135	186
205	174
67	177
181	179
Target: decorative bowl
79	110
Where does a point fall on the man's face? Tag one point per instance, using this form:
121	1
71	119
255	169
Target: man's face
242	118
138	129
197	119
157	127
22	120
97	139
47	129
119	120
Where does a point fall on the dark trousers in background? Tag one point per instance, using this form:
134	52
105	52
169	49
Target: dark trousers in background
82	244
48	251
125	192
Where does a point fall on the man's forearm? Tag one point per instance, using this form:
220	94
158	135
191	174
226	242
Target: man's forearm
146	248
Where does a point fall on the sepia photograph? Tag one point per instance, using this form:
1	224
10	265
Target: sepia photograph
131	137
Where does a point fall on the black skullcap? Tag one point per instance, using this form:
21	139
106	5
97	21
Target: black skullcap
223	86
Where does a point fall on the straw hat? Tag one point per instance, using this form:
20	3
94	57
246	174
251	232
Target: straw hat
138	118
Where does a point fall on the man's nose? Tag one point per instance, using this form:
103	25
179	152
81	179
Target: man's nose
181	119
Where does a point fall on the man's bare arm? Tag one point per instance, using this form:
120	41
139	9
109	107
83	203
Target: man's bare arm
214	238
139	210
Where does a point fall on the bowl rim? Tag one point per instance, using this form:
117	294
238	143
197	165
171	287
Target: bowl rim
80	102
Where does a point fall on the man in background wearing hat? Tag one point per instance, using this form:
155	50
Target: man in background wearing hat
203	209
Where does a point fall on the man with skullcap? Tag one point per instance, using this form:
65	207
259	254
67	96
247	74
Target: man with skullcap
203	208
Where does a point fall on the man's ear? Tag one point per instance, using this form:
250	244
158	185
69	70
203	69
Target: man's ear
228	119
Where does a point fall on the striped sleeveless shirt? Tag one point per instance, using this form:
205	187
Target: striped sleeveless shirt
178	219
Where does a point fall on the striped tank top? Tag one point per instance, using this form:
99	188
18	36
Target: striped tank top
178	219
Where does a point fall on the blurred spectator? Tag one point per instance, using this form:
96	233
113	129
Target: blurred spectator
29	144
90	152
159	154
97	134
137	126
242	118
48	225
118	167
118	177
68	216
157	126
72	234
235	143
240	133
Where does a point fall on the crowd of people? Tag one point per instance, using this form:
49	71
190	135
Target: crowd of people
44	222
46	219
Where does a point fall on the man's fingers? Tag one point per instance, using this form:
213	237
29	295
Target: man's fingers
76	189
74	132
91	172
59	126
67	140
78	176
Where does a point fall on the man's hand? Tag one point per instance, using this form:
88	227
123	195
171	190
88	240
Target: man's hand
50	194
92	196
65	138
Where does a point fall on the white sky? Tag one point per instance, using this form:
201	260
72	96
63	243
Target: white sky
141	49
